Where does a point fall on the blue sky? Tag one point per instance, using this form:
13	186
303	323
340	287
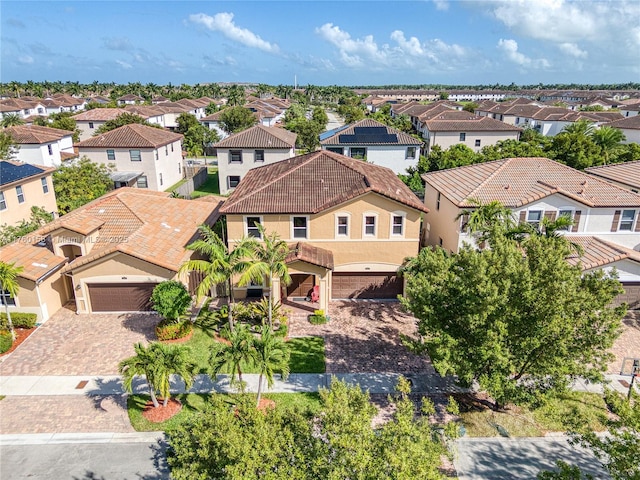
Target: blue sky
322	42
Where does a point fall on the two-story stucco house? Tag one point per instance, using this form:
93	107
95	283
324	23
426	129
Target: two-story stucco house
88	122
23	186
253	147
376	143
108	255
155	152
42	145
537	188
349	224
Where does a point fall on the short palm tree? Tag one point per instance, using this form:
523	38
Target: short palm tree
270	353
608	139
269	260
9	286
488	219
234	355
582	127
157	362
222	263
11	120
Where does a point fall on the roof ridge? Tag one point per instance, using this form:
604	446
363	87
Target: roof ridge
489	177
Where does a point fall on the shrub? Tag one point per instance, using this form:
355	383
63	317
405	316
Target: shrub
171	299
170	330
19	320
318	317
5	341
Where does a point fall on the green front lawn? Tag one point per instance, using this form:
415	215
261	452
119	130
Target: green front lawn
192	404
209	187
558	414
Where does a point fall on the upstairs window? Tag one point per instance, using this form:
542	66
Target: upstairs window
626	220
20	194
111	155
397	225
438	201
91	125
253	224
534	217
300	227
565	213
50	149
235	156
233	181
3	202
259	156
343	226
135	155
160	179
478	142
166	150
142	182
411	153
463	137
358	152
45	185
339	150
370	225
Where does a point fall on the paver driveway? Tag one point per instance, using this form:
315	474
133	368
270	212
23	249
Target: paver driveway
365	337
628	344
85	344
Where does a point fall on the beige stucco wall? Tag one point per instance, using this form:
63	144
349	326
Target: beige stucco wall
441	224
43	299
34	196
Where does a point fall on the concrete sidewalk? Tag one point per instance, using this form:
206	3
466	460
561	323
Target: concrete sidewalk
385	383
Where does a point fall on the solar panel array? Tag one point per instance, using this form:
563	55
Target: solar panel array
369	135
10	172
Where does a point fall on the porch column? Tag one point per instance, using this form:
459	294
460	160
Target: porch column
324	294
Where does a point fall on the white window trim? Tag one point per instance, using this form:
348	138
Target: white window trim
229	181
403	215
415	153
343	214
308	236
573	216
636	213
3	199
245	220
44	184
534	210
20	193
364	224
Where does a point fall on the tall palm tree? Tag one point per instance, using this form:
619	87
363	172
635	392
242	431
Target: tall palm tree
583	127
157	362
608	139
221	266
488	219
270	353
9	286
232	356
11	120
268	257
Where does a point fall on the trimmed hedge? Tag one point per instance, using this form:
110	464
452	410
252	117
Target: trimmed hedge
19	320
168	330
5	341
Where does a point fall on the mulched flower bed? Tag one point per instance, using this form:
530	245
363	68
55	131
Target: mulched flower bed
21	335
186	338
161	414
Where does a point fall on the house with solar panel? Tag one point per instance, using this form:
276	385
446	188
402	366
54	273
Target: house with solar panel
374	142
23	186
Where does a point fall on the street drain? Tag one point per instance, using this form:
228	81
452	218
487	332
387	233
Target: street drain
82	384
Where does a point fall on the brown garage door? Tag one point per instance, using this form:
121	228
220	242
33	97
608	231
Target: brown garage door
128	297
365	285
631	295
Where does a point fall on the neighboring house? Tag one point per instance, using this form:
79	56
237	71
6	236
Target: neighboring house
21	107
631	110
349	224
129	99
88	122
626	175
63	103
212	122
108	255
534	188
135	148
376	143
255	146
452	128
42	145
23	186
630	126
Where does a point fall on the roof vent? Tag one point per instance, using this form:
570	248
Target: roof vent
101	210
584	182
165	225
507	187
41	265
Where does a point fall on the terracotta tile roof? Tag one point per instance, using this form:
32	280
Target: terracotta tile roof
11	172
519	181
35	259
214	117
35	134
627	173
475	124
401	138
132	136
260	136
68	155
145	224
315	182
304	252
99	114
597	253
131	97
631	123
144	111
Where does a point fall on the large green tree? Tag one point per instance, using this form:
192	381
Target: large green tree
125	118
515	317
39	217
236	119
196	136
8	147
80	182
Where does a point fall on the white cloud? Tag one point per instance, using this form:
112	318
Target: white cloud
441	5
117	43
573	50
124	64
25	59
404	53
510	49
223	23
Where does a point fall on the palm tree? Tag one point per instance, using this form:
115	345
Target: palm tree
583	127
270	353
222	263
233	355
268	261
488	219
11	120
157	362
9	286
608	139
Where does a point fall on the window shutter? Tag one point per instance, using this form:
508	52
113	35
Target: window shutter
616	220
576	221
550	216
523	216
637	221
464	220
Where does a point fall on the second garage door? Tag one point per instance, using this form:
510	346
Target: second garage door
365	285
129	297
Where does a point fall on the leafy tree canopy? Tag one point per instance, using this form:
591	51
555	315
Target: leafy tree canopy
171	299
39	217
236	119
8	147
125	118
80	182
